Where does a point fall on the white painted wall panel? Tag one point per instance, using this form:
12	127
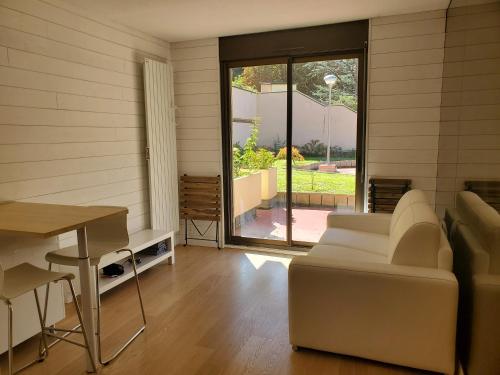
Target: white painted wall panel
196	78
405	77
470	118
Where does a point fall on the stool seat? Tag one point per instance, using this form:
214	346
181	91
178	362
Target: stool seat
68	256
25	277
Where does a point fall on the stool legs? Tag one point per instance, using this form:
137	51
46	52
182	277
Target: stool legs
137	333
42	353
98	328
43	349
67	332
10	316
80	319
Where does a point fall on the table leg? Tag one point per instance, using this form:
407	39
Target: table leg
88	296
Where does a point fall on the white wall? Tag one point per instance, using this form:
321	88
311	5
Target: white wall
196	79
244	104
71	113
469	143
309	119
405	77
271	109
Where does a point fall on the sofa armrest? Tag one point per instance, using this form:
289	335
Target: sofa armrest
366	222
396	314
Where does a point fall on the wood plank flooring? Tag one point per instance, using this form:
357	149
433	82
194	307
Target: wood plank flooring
212	313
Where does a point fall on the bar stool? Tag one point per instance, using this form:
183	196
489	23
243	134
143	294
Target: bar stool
24	278
108	235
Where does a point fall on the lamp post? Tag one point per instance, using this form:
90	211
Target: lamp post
330	80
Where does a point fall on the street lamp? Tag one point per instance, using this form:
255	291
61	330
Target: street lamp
330	80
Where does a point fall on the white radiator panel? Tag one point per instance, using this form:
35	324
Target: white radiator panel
161	143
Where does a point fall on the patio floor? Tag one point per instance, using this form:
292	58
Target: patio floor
308	224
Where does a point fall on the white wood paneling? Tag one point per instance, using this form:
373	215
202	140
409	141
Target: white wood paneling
470	120
196	78
405	77
161	138
71	115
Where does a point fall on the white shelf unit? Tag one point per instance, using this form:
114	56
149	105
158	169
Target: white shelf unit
138	242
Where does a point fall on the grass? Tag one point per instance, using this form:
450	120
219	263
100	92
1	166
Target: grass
304	181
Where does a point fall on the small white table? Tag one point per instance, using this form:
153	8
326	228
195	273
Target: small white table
47	220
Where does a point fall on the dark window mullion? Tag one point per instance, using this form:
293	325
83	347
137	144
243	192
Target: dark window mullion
289	114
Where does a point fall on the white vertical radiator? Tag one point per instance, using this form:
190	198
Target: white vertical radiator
161	149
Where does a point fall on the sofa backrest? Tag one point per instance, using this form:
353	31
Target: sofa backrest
483	221
410	197
416	237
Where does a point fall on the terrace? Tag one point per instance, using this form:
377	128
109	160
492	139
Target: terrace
259	158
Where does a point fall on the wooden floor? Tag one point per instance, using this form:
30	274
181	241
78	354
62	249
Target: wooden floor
213	312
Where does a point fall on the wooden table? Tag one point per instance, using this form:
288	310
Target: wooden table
47	220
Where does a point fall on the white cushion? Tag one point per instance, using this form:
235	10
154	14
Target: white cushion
346	253
370	242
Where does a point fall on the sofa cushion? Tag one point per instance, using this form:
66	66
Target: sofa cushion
484	222
409	198
415	239
346	253
370	242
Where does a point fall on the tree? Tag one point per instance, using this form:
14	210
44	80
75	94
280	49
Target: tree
253	76
345	90
308	77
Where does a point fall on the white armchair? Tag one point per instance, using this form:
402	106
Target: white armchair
378	286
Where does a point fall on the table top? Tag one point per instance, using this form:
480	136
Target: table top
47	220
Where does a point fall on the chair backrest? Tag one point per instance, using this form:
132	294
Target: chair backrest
483	222
416	237
107	235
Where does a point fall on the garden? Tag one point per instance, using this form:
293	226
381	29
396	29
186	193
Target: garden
250	158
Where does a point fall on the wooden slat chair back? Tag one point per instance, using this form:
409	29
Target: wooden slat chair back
488	191
385	193
200	199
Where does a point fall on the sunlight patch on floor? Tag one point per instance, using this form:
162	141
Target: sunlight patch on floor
258	260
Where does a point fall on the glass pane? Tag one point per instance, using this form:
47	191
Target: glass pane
258	110
324	143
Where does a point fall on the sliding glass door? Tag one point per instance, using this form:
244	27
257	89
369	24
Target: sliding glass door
258	133
292	146
324	142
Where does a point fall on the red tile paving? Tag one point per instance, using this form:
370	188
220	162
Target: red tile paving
308	224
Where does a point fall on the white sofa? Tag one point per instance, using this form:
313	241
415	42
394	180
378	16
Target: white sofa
474	230
379	286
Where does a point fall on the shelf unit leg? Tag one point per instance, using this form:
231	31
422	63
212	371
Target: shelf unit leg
171	259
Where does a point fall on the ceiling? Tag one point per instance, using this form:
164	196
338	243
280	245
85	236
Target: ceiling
178	20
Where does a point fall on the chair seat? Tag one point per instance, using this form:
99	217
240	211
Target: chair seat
346	253
25	277
369	242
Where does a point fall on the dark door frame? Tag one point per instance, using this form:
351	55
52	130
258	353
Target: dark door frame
225	86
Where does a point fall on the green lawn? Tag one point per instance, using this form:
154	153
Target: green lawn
313	181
